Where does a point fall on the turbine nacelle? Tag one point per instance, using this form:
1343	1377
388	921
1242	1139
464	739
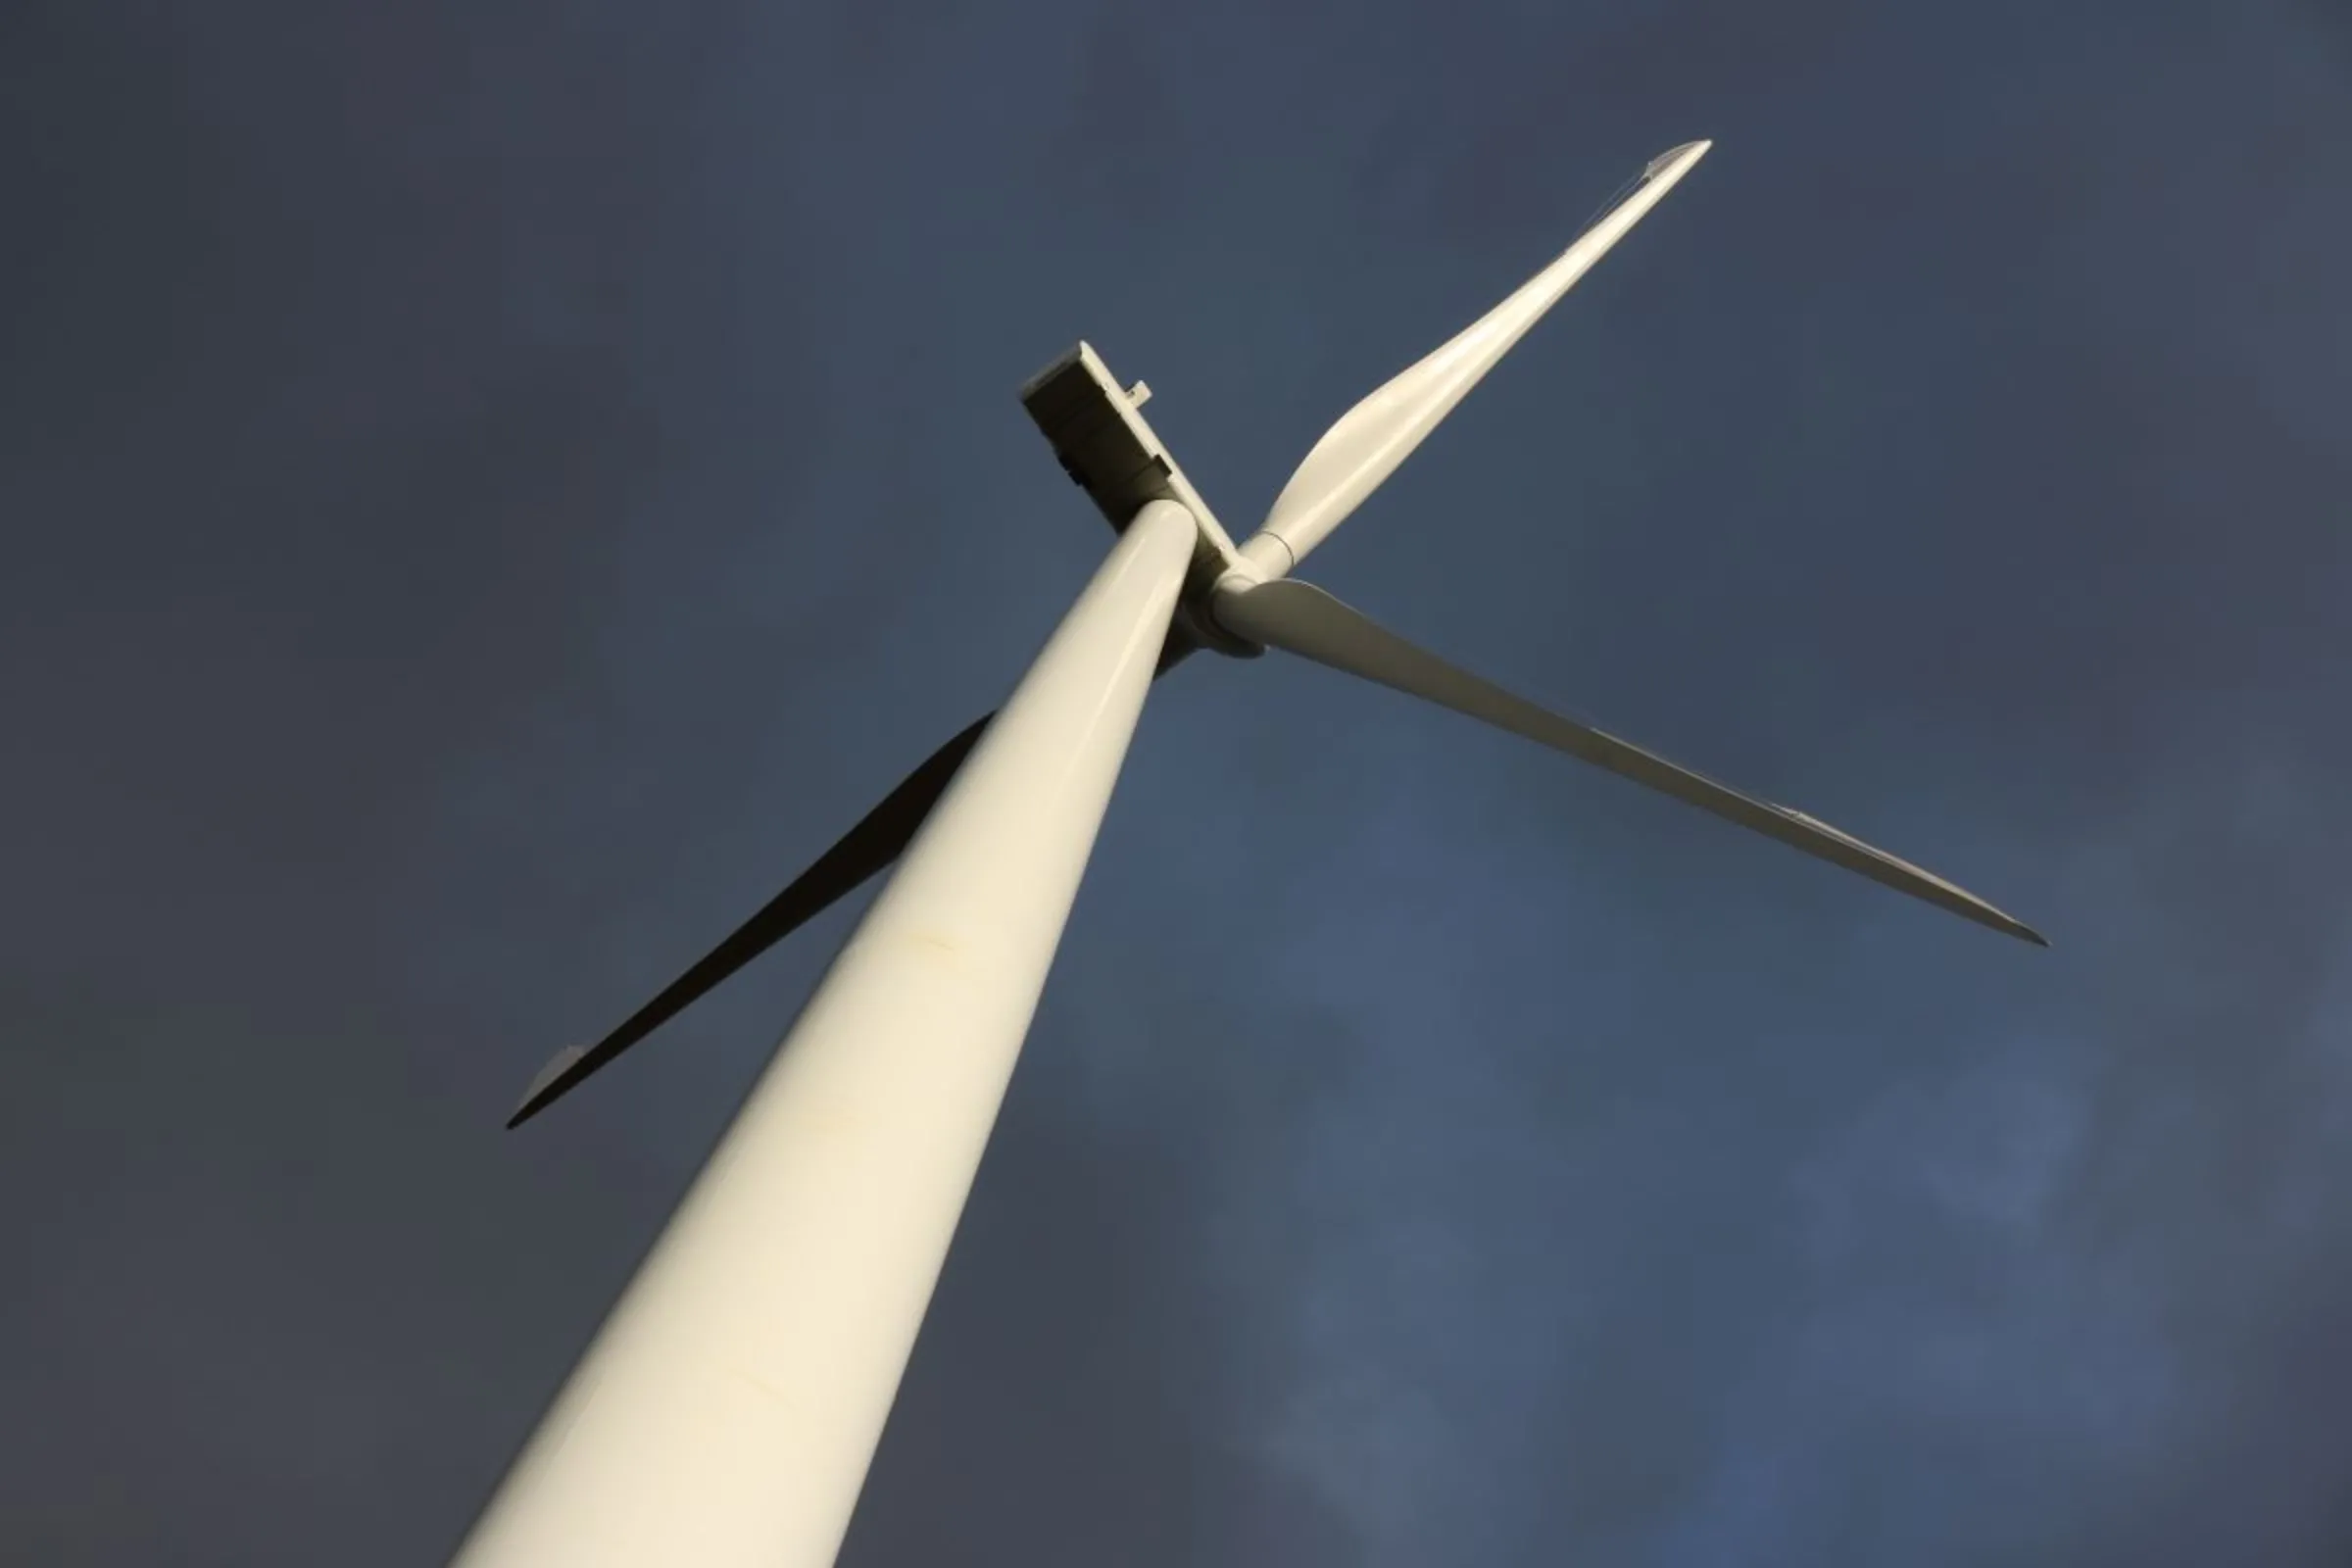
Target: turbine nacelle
1101	438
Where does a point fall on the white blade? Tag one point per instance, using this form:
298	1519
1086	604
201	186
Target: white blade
1372	438
1304	619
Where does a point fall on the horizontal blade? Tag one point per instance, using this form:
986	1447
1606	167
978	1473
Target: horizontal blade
1302	619
878	839
1371	439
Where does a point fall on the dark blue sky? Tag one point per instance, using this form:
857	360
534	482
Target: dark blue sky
491	488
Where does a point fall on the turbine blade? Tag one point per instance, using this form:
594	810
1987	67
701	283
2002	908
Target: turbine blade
1379	433
878	839
1304	619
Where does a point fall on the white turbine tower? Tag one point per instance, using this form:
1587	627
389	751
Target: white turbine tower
725	1414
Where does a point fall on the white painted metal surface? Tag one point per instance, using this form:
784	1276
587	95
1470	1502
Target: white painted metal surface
727	1413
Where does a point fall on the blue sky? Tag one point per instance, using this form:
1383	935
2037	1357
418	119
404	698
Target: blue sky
493	489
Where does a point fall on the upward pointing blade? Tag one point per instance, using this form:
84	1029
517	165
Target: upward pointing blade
1370	440
1304	619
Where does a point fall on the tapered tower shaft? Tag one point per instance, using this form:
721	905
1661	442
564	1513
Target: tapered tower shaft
726	1412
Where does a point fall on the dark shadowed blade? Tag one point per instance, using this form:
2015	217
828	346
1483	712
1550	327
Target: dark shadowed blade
878	839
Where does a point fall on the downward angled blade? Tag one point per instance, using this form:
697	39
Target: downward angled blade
1302	619
878	839
1370	440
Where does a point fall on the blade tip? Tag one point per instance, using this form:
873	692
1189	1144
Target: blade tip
1688	153
2010	925
549	1085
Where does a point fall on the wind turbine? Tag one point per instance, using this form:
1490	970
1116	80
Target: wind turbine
726	1412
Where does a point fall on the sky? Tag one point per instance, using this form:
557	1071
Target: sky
490	488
